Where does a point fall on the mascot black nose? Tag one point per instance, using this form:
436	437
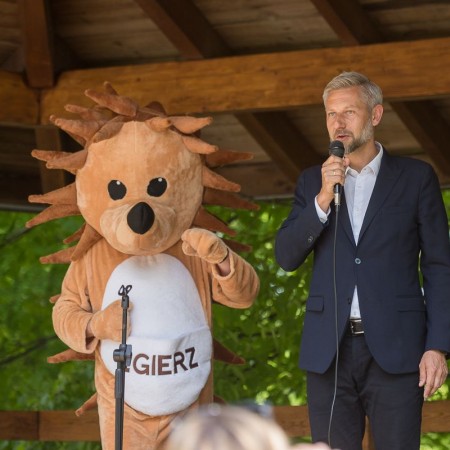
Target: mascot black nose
140	218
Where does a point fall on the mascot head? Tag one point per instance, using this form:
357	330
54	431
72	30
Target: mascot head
140	179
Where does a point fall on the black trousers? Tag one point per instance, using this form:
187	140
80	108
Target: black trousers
393	403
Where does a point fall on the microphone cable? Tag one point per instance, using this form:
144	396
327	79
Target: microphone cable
336	324
336	148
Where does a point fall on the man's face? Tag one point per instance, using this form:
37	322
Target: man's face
348	118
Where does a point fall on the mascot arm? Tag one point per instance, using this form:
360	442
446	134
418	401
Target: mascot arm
107	323
73	311
235	282
205	245
240	287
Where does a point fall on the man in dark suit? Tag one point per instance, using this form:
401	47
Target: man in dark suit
377	322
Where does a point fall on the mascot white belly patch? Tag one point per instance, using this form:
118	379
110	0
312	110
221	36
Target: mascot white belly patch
170	337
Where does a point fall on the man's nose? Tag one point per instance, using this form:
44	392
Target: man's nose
340	120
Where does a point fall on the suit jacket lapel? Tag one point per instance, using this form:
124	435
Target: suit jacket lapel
344	220
387	177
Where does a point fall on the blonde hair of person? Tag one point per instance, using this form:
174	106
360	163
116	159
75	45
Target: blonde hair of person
217	427
371	92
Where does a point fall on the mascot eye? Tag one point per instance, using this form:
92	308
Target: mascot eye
157	187
116	189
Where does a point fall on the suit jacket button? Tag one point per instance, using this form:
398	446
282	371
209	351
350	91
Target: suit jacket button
310	239
357	261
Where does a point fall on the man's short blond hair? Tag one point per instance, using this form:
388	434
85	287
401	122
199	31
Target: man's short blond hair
371	92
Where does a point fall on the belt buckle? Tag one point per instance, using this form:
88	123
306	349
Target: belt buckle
353	323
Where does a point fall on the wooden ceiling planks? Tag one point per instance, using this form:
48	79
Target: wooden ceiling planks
258	66
110	32
184	25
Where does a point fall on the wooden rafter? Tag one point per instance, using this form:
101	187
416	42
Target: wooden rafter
19	103
353	26
194	37
186	27
349	21
38	44
428	126
276	81
285	145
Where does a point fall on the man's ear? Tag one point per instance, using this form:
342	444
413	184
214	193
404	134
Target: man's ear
377	113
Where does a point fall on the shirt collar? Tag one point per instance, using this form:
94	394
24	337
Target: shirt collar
374	165
376	162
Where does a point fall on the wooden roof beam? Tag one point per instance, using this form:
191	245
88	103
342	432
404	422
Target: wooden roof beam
186	27
282	141
19	103
429	128
38	44
424	121
349	21
276	81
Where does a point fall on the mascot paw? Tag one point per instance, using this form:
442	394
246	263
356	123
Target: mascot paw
205	245
107	323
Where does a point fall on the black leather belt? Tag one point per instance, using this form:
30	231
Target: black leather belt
355	327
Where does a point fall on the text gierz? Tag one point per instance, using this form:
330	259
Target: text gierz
156	365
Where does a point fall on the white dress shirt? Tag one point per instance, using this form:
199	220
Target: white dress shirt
358	189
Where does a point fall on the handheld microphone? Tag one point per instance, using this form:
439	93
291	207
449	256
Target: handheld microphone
336	148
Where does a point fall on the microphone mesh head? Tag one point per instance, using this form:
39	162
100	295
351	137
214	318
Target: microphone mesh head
336	148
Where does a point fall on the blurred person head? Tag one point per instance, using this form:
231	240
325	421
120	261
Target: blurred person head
217	427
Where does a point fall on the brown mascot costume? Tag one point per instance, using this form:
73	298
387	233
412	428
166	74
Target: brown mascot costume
140	182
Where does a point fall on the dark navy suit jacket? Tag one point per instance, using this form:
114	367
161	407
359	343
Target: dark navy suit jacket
405	223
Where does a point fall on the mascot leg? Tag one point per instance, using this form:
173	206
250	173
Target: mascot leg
140	432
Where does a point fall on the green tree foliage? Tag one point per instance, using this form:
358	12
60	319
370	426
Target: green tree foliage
26	331
267	335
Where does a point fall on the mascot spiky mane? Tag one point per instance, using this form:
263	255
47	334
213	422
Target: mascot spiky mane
141	180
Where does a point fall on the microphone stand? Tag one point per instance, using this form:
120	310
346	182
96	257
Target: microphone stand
122	356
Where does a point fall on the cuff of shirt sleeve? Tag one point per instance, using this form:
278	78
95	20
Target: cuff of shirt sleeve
323	217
